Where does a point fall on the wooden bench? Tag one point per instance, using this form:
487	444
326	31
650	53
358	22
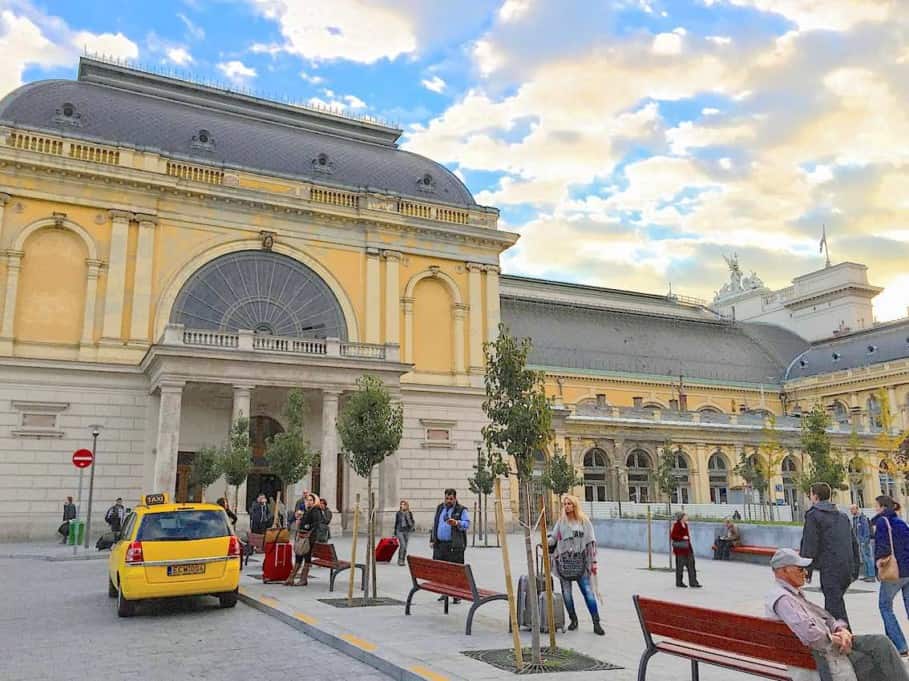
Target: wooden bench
752	645
448	579
752	554
324	555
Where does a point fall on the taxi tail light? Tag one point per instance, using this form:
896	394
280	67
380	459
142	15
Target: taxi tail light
233	547
134	553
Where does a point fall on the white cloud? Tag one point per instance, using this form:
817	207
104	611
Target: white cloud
334	102
513	9
311	79
435	84
353	30
668	44
835	15
719	39
237	72
709	111
354	102
194	31
179	56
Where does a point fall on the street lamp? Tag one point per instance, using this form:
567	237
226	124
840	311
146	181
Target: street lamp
96	431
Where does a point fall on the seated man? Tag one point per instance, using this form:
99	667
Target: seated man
727	540
840	655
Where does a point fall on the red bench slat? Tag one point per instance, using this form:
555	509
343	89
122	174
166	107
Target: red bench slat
768	670
755	550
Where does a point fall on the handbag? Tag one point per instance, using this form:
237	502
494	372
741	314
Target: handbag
679	544
302	546
888	570
571	564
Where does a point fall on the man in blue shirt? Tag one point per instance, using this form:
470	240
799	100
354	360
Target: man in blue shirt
449	531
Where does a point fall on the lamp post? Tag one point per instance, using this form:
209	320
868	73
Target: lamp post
96	431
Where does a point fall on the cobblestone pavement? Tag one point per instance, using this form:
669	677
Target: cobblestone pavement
56	622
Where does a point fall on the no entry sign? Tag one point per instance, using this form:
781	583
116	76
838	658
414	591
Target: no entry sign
82	458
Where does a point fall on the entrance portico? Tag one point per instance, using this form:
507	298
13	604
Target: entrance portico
206	380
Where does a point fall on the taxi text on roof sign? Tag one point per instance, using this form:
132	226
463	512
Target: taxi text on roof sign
156	499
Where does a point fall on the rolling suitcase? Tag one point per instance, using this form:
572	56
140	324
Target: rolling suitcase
558	612
279	561
385	549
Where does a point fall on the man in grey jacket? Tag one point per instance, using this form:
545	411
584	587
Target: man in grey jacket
828	540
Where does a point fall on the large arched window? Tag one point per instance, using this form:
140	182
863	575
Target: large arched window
789	471
888	482
640	469
718	471
710	414
265	292
681	473
840	413
875	422
596	464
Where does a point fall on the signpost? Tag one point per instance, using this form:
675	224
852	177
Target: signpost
82	459
91	485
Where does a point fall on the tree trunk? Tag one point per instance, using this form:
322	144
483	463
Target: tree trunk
371	556
532	596
486	520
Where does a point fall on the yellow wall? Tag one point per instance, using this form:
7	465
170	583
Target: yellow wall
433	330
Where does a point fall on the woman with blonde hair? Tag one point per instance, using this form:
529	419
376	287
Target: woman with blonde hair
574	548
404	525
303	534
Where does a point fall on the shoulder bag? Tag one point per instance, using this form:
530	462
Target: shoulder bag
301	544
888	570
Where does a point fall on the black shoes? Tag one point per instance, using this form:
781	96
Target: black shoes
572	625
597	629
681	586
697	586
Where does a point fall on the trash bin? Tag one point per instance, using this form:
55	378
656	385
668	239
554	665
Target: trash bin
76	532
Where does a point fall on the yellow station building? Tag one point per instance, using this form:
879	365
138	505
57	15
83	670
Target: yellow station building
175	256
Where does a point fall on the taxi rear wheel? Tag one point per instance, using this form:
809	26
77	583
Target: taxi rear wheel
227	600
125	608
111	589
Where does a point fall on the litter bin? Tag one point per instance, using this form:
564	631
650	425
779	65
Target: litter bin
76	532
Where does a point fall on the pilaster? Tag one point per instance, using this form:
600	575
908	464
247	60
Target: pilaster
392	297
475	327
241	409
493	312
168	440
459	310
373	296
328	467
7	332
116	276
407	308
87	350
142	286
4	199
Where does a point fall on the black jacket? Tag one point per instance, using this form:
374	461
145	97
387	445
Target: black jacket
69	512
404	521
260	518
458	536
827	538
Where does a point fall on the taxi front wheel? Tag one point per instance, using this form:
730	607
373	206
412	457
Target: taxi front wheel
125	608
227	600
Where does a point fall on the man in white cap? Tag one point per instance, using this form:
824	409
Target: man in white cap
840	655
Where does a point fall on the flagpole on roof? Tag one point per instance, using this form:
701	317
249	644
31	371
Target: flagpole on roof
824	248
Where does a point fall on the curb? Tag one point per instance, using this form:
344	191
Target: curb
55	559
348	644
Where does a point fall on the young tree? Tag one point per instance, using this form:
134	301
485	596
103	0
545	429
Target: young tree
370	426
892	442
520	424
560	476
205	468
770	454
665	475
289	454
236	458
823	467
481	484
750	470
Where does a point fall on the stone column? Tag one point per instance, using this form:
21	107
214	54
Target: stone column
493	314
460	311
407	305
116	275
373	296
241	409
392	297
88	314
475	332
328	470
168	441
142	286
4	199
7	332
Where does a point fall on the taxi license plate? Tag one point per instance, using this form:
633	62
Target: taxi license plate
180	570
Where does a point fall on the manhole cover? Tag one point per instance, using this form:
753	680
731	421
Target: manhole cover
558	660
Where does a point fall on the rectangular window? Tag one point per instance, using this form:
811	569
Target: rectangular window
30	420
183	526
38	419
437	433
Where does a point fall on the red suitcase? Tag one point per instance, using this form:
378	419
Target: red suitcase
278	562
386	549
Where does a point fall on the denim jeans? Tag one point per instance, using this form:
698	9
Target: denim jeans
867	553
586	591
402	546
885	602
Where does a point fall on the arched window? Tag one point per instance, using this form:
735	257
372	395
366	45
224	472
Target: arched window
888	482
596	464
709	414
875	422
856	478
718	472
840	413
789	470
640	469
682	493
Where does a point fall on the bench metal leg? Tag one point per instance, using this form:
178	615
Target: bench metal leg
645	659
409	599
473	609
695	672
445	601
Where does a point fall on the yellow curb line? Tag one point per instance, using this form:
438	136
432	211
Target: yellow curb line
305	618
360	643
428	674
267	600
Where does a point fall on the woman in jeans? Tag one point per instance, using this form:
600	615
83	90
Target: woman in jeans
404	525
886	522
574	545
683	551
305	524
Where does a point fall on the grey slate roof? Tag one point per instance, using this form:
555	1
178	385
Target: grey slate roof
148	111
587	339
883	343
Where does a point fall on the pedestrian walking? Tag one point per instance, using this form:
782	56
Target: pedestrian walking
683	552
449	532
304	530
325	533
574	550
724	543
404	525
861	528
891	538
115	515
222	502
840	656
260	515
69	513
828	540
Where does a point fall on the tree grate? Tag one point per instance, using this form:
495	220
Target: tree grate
558	660
360	602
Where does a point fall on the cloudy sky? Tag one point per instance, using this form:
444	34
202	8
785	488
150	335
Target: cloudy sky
631	143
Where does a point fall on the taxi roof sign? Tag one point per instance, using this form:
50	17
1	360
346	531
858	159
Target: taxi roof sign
156	499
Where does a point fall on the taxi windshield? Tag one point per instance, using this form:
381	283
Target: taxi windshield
183	526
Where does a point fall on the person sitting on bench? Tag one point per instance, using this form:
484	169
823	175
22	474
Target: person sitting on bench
840	655
724	543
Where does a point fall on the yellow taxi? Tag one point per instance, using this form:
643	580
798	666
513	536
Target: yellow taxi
166	550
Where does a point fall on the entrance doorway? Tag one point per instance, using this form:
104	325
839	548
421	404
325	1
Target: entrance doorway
261	480
185	491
